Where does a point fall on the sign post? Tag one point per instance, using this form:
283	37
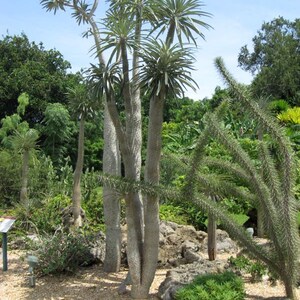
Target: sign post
5	225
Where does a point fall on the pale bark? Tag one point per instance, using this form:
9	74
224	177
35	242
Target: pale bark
112	166
111	201
151	235
76	197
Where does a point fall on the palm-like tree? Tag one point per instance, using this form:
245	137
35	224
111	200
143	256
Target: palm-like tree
179	18
123	34
84	13
24	141
83	107
167	70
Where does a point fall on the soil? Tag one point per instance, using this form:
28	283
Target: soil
92	283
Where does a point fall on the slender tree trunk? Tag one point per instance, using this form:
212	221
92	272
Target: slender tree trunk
111	201
24	181
212	236
76	197
260	214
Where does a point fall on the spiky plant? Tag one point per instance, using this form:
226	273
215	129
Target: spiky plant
269	188
272	185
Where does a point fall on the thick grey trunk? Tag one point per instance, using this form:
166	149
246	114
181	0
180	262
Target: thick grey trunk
76	197
111	201
151	231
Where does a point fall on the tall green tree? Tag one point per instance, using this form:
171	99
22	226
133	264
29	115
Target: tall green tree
275	60
17	136
57	130
28	67
272	185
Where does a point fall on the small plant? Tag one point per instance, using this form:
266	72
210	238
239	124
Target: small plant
240	262
62	253
255	268
224	286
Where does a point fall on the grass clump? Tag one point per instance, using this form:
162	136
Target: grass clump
224	286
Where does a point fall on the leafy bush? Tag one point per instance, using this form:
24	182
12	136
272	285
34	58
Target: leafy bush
278	106
172	213
93	207
290	116
62	253
225	286
48	217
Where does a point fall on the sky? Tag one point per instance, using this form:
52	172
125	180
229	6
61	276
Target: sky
234	22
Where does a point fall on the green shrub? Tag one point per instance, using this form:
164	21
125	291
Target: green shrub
62	253
224	286
93	207
278	106
48	217
253	267
168	212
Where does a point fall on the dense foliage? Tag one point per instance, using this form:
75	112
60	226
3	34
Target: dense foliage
224	286
28	67
275	60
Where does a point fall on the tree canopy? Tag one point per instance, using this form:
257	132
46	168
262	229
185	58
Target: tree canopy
28	67
275	60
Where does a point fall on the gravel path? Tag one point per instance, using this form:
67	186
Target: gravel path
92	283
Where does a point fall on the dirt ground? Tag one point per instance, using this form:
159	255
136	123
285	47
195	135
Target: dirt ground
92	284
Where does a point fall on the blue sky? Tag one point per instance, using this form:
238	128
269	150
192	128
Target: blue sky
235	23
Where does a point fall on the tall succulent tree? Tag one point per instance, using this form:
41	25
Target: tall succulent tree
84	13
123	35
83	106
165	68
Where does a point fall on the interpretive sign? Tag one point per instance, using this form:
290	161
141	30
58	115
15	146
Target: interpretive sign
5	225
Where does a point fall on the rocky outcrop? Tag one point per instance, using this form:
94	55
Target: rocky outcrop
183	244
185	249
184	274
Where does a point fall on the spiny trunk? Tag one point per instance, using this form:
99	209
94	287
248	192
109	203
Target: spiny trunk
111	201
24	181
260	214
76	198
135	222
111	165
151	231
291	290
